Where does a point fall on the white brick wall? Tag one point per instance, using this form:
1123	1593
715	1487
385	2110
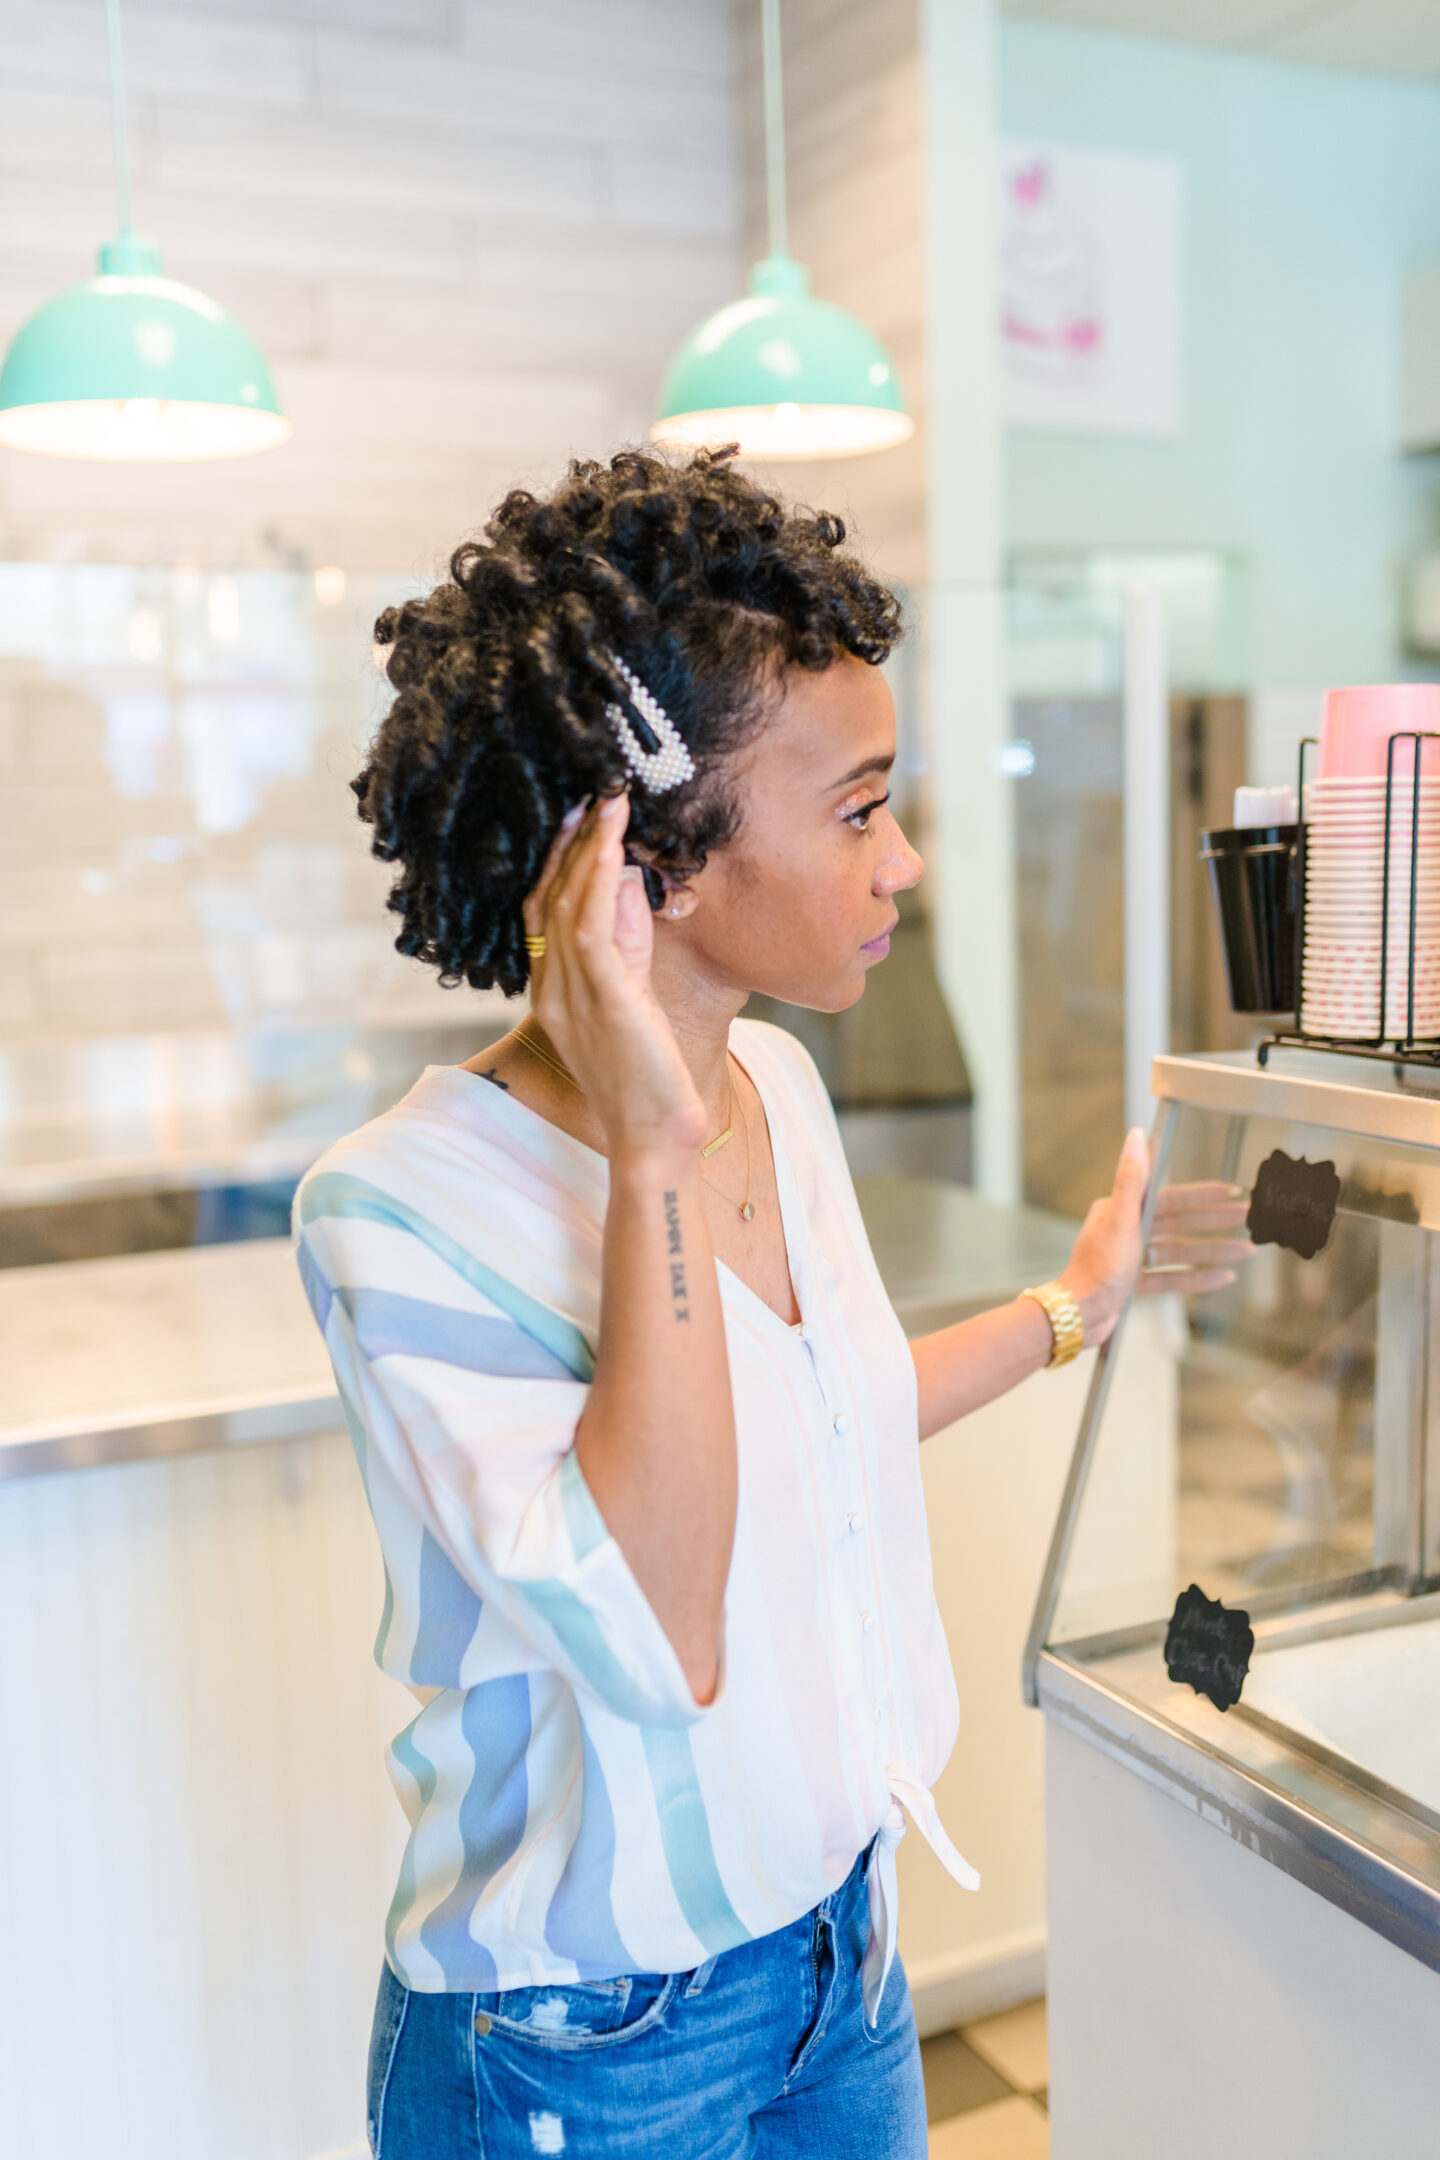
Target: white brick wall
466	235
853	130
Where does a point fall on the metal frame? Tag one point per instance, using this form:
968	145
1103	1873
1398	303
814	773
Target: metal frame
1302	1092
1345	1865
1080	1461
147	1439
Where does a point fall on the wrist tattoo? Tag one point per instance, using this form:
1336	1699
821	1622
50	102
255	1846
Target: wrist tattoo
680	1296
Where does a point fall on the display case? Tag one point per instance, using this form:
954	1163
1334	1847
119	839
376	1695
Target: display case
1291	1474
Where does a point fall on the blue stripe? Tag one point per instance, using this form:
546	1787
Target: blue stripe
449	1614
422	1771
582	1518
495	1720
581	1921
360	1442
578	1633
317	1287
388	1324
685	1834
336	1193
387	1615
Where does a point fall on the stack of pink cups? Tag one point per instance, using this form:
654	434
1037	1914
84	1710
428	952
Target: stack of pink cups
1345	867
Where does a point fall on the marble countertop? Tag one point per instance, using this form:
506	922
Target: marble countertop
162	1353
157	1354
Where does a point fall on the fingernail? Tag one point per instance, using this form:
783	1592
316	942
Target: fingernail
572	816
611	806
632	875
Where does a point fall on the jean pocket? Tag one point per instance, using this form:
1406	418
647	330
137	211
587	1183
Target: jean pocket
579	2013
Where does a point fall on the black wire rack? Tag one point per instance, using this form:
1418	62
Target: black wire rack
1407	1048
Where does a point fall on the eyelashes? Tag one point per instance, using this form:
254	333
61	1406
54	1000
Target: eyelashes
859	818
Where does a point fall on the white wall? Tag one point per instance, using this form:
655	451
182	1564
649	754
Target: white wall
466	233
1308	195
198	1840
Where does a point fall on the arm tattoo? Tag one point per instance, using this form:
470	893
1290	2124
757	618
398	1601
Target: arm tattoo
680	1296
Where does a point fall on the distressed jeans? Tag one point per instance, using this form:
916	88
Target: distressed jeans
762	2052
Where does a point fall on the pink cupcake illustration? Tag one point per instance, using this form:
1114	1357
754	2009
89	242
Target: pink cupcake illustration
1050	300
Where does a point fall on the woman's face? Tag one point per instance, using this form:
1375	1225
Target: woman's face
801	902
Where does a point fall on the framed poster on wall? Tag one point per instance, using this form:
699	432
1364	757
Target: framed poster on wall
1089	278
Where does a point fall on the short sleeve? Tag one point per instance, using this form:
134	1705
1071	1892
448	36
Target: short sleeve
470	1391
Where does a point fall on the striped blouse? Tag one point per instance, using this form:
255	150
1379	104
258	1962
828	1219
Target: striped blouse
574	1814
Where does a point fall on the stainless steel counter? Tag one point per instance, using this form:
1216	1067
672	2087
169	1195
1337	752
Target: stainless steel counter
162	1353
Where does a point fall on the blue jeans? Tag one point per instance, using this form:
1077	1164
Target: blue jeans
762	2052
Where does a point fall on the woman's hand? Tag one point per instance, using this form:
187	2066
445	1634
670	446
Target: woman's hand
591	992
1197	1240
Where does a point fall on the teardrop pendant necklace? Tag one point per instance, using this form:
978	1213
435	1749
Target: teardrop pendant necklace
558	1066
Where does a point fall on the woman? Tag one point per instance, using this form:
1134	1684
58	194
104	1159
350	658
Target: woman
637	1424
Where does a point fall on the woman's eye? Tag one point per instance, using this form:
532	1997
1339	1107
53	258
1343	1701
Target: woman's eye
860	818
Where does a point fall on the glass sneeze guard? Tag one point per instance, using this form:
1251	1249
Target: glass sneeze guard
1278	1444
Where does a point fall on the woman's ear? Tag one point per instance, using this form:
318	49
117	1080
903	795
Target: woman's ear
666	896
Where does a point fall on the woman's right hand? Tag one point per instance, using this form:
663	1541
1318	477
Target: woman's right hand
591	992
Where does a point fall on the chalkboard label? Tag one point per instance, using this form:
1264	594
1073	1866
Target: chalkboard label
1293	1204
1209	1647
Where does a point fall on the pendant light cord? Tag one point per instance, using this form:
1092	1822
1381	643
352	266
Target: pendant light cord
774	124
117	104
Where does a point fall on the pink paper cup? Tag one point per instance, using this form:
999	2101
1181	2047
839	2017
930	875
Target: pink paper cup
1358	723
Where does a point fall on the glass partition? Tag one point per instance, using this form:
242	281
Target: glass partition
1277	1445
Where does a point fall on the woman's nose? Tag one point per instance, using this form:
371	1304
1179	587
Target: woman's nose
900	870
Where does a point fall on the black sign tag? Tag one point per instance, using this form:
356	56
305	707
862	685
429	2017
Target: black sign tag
1293	1204
1208	1647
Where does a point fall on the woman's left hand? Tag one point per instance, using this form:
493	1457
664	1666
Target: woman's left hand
1197	1240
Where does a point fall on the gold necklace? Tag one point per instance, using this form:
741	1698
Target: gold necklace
747	1211
713	1147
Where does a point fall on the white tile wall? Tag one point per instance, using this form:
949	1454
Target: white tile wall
853	127
468	237
468	234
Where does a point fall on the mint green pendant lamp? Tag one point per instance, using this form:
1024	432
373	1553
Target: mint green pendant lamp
784	375
134	366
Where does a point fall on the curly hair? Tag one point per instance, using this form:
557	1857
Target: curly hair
704	584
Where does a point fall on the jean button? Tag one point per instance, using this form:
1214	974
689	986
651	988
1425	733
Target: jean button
482	2024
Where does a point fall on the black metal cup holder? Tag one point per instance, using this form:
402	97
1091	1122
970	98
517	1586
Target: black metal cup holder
1406	1049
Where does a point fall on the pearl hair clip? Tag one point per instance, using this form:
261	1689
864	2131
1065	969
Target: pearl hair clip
657	770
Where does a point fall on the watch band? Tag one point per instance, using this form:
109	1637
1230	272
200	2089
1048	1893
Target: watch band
1067	1329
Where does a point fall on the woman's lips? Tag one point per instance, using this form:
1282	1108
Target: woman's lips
878	947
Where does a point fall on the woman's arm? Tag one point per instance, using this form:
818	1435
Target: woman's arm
965	1366
656	1440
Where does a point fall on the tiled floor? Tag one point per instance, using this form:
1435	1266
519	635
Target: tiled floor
986	2088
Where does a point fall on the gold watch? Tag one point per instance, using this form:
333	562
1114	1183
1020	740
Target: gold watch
1067	1329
